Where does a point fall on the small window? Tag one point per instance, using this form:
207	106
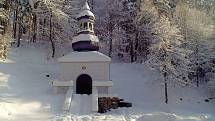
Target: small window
81	25
90	26
85	25
44	21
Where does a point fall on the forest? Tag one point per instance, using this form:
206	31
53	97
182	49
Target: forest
174	37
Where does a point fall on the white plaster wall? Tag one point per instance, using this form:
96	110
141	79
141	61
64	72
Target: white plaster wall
99	71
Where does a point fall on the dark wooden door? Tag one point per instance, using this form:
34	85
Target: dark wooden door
84	84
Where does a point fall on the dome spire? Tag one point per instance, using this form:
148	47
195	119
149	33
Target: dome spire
85	12
86	6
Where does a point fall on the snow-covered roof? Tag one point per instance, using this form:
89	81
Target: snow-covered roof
91	56
85	37
85	11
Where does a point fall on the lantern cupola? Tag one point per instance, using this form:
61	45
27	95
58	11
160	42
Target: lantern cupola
86	40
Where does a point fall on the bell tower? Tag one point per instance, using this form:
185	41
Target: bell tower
86	40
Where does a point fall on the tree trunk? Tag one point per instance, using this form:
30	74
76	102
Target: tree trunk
166	91
50	37
110	44
110	30
34	27
15	23
165	81
197	63
136	46
131	50
30	29
197	80
5	52
44	26
19	33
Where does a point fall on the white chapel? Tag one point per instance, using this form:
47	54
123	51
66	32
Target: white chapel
85	71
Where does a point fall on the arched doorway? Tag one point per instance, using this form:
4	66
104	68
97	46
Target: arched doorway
84	84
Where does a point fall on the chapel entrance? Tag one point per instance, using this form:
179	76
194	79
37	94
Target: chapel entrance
84	84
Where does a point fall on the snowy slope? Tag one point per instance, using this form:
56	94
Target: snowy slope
26	93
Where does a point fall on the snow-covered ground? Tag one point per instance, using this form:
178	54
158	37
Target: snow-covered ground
26	93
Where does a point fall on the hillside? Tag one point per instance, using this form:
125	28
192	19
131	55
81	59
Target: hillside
26	93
